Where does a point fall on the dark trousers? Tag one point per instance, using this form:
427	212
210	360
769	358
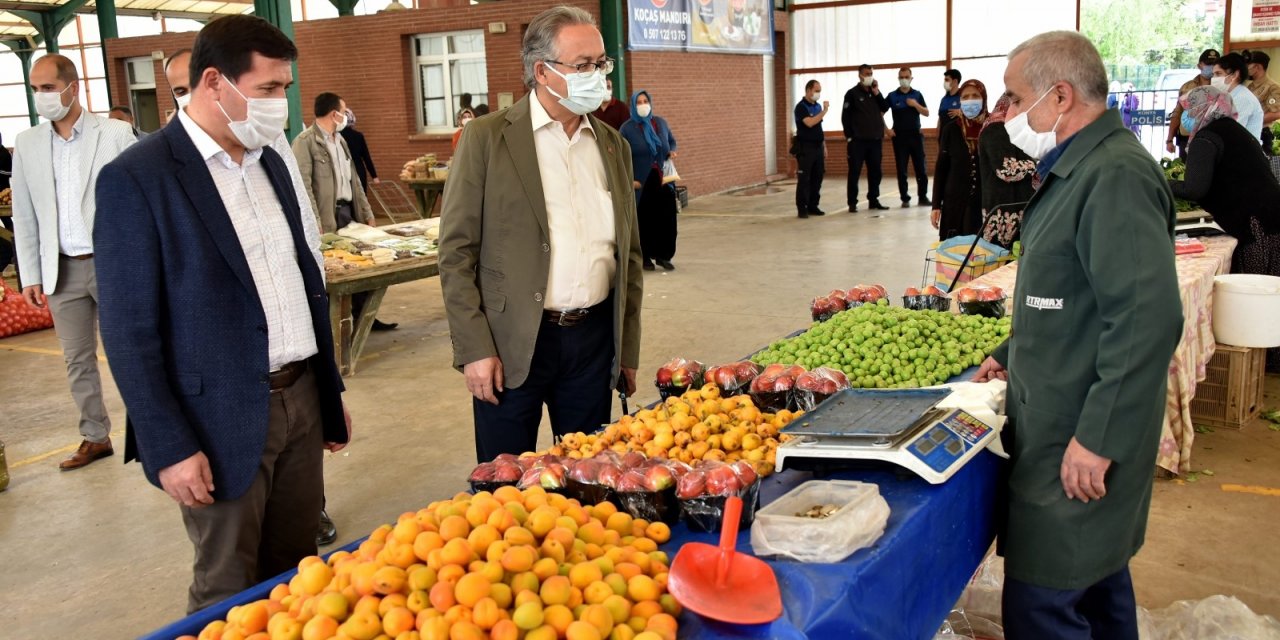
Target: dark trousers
1106	609
266	531
1180	141
811	166
910	146
570	374
866	152
656	211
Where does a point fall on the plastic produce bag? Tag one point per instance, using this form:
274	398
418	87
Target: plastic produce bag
733	379
1214	617
676	376
669	173
705	489
814	387
822	308
858	521
18	317
771	390
982	301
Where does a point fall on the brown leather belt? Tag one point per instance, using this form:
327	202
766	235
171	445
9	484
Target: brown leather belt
85	256
286	376
570	318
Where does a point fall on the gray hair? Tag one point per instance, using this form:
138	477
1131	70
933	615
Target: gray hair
540	37
1064	56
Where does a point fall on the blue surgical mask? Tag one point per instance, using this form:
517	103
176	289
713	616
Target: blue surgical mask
971	108
1188	122
1207	72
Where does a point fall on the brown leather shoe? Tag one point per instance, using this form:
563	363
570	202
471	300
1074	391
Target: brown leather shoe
87	453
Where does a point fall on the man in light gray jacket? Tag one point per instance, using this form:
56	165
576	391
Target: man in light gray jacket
55	171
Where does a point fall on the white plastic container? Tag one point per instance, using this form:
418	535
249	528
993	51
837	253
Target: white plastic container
1246	310
858	523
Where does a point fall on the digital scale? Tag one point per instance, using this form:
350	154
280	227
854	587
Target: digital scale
900	427
1196	224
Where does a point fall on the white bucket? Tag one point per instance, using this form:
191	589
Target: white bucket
1246	310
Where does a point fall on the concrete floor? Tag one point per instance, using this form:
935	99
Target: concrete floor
100	553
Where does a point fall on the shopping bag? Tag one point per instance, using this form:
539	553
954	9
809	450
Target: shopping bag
950	254
669	173
17	317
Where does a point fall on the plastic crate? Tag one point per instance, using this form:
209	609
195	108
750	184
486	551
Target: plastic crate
1231	393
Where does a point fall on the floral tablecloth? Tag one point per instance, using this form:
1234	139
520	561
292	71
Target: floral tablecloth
1195	282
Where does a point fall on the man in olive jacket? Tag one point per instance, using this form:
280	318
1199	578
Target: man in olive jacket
1096	321
540	260
328	169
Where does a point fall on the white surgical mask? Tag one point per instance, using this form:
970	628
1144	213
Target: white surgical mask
866	82
182	101
905	83
264	121
643	110
49	105
946	86
1034	143
816	97
341	124
586	94
1219	82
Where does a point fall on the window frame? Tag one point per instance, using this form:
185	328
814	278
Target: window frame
446	60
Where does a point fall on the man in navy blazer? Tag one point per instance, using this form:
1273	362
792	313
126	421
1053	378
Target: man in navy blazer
215	317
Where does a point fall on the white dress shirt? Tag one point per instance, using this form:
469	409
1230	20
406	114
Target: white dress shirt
264	235
579	213
310	227
74	236
341	165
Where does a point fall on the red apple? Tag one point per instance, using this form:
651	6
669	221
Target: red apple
746	472
680	377
783	383
659	477
795	371
507	472
911	291
608	456
774	369
810	381
967	295
763	382
664	376
691	485
827	387
585	471
884	293
933	291
632	459
990	295
552	476
483	472
837	294
632	481
726	378
609	476
722	481
678	468
998	290
746	370
531	478
506	457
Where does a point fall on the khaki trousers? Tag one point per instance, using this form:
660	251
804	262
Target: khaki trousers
266	531
75	320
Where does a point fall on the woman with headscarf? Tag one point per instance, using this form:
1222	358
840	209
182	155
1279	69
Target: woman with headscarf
652	145
1228	175
1007	179
464	116
957	201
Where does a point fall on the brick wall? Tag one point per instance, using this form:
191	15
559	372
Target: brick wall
838	158
714	102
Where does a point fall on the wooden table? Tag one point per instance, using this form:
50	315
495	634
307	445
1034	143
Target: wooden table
350	334
427	191
1195	285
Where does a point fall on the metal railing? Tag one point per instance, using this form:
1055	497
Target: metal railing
1146	113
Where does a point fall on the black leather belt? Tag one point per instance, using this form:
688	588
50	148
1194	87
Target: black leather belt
286	376
575	317
344	203
83	256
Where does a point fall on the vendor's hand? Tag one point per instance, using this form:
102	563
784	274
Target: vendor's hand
629	375
636	184
484	379
189	482
1168	146
335	447
1084	473
375	181
935	218
34	295
955	113
991	370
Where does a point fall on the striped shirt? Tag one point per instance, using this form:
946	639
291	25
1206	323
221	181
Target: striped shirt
74	238
264	235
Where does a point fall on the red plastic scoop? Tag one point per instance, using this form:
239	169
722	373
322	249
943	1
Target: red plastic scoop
722	584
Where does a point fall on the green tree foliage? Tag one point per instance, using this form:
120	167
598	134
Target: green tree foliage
1157	32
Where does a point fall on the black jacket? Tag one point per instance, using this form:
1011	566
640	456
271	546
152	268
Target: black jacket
360	153
956	189
863	114
1230	177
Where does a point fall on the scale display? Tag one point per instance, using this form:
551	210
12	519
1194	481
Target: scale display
946	441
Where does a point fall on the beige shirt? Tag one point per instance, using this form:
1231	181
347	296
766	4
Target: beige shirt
264	235
579	213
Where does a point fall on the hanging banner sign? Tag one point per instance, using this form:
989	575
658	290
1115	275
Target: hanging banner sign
1266	16
721	26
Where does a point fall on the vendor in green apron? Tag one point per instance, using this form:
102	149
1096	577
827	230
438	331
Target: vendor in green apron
1096	320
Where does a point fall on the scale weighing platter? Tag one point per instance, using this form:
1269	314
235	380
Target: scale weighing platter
880	415
934	444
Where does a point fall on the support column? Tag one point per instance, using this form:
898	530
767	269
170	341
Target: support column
612	23
280	14
107	30
50	23
24	58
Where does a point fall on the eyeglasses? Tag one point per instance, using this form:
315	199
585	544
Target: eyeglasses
587	69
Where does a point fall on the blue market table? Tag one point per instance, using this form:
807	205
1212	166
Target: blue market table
901	587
